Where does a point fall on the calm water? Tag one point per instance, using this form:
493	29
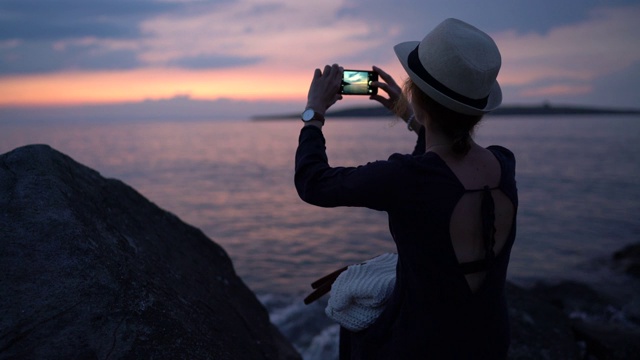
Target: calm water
579	182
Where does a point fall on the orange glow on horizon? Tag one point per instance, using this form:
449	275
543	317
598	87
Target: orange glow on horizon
75	88
244	84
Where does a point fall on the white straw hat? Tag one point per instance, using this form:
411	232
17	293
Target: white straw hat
456	65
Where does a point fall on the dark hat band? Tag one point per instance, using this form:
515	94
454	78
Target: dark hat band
416	66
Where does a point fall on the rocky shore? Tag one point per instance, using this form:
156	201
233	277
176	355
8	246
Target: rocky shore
89	268
571	320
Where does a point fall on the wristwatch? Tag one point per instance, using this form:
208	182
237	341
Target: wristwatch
310	115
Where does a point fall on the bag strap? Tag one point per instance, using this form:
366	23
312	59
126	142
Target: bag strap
323	285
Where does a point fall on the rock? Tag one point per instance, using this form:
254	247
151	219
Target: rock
605	330
572	297
608	340
539	330
628	259
90	269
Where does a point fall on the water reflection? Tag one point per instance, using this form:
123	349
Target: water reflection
578	181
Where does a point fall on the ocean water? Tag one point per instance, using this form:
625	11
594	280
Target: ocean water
578	180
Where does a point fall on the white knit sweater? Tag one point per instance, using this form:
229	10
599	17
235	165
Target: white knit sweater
359	294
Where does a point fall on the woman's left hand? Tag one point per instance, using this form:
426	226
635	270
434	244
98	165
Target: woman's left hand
324	90
389	86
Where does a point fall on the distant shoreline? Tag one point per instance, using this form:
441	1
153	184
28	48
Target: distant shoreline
516	110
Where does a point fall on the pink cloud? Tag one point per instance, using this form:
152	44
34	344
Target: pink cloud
556	90
604	43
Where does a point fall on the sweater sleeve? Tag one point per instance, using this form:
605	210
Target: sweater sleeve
372	185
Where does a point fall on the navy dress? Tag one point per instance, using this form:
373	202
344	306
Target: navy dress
432	314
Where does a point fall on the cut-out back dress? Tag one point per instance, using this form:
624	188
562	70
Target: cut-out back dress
433	312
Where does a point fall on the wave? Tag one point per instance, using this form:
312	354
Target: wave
311	332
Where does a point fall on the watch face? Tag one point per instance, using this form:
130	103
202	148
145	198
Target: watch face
308	114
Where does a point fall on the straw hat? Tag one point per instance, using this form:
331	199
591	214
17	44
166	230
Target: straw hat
457	65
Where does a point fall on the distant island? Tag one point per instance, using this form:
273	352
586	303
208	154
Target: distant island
540	110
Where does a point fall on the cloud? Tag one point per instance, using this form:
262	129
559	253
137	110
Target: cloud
209	34
82	54
289	34
48	36
416	18
571	56
212	61
549	48
188	34
619	88
555	91
83	35
43	20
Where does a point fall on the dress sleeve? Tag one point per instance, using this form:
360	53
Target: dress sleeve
372	185
508	166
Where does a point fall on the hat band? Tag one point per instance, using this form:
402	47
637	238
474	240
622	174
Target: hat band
416	66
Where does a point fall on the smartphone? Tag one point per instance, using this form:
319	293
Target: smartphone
358	82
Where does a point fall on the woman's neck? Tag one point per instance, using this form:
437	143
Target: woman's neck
436	140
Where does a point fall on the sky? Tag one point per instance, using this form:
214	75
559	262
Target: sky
239	58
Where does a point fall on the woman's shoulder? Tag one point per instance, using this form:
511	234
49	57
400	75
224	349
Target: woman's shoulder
423	162
502	151
427	166
506	158
408	158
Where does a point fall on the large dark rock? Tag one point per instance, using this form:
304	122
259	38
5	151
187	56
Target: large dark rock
90	269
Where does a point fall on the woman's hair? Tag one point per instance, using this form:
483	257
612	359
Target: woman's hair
456	126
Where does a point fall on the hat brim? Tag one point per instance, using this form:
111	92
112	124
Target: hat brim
403	50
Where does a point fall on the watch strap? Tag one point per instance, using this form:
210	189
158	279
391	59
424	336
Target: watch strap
310	115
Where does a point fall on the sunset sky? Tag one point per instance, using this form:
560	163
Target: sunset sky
237	58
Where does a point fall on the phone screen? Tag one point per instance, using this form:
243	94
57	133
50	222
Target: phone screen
358	82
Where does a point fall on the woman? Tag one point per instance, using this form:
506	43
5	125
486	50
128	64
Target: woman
451	204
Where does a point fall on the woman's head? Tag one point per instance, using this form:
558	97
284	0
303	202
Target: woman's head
456	66
454	125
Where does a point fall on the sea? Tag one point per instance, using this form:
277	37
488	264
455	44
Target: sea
578	178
